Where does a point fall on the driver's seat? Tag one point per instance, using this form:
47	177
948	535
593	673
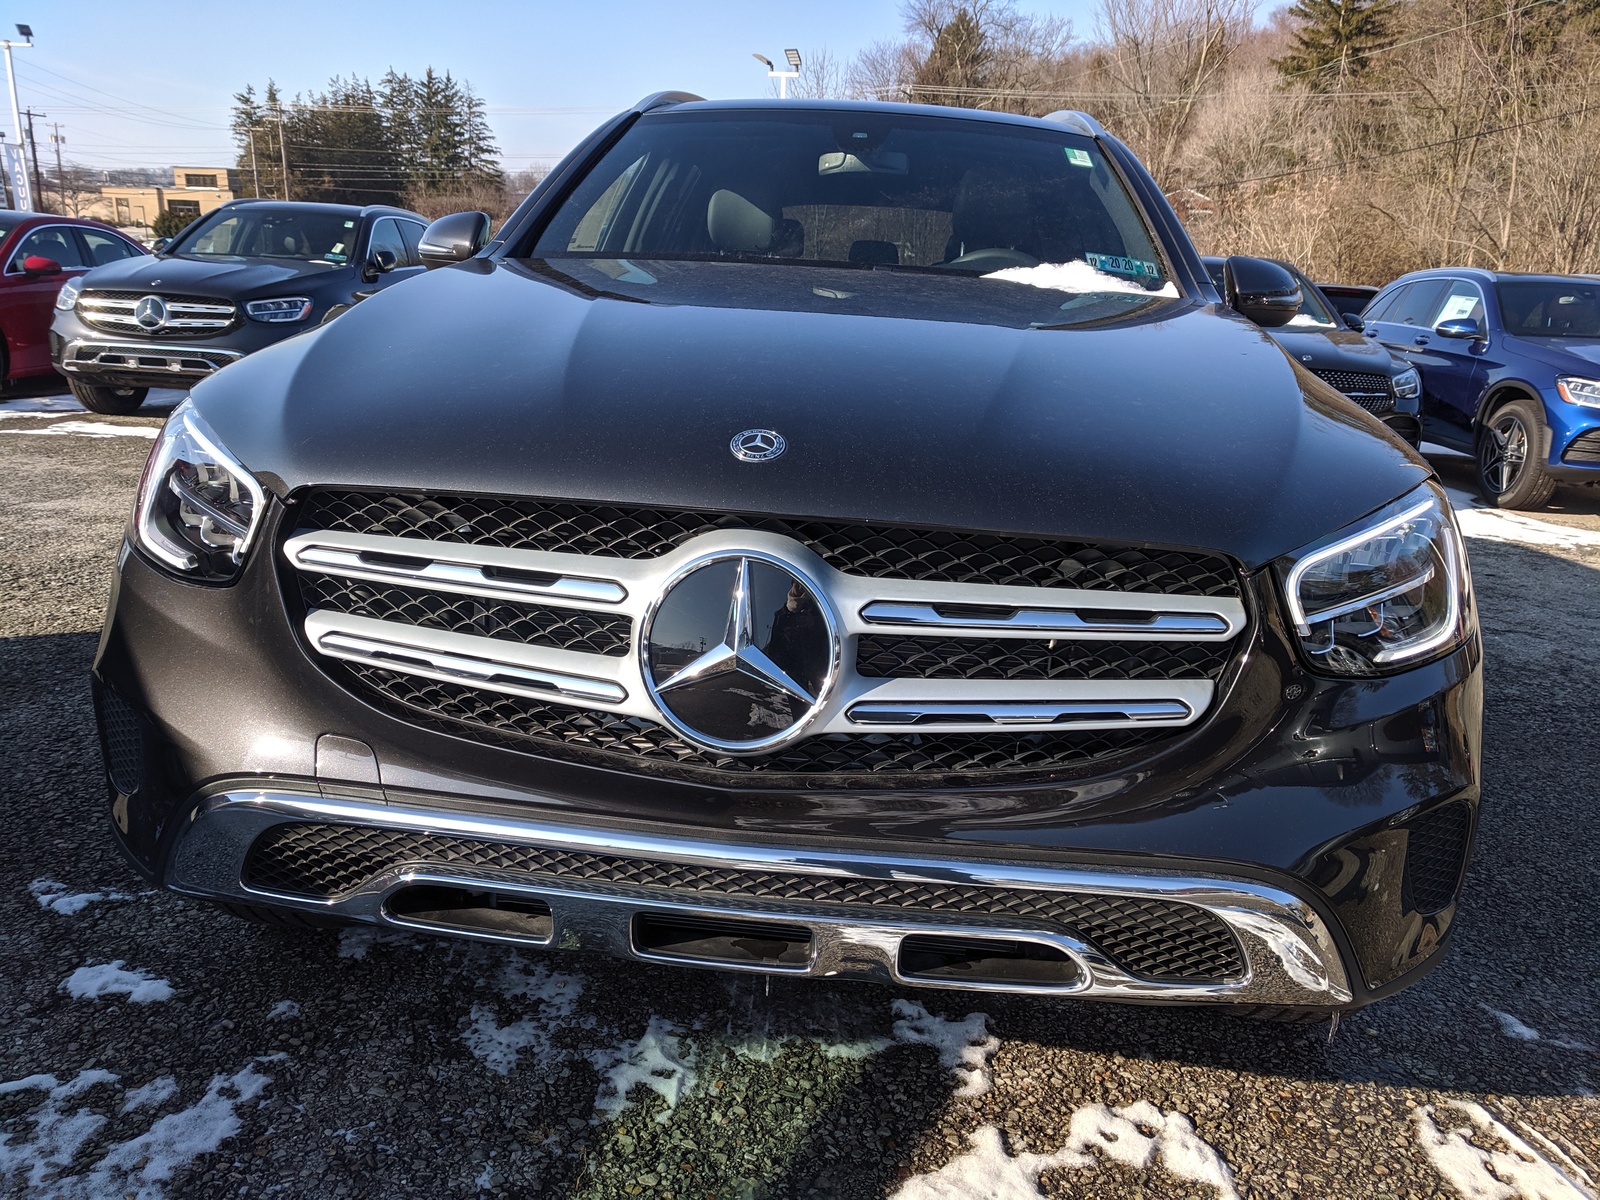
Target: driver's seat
991	213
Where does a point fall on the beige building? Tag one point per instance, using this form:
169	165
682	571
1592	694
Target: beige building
194	192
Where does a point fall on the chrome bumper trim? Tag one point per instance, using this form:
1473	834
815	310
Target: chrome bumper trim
81	354
1291	954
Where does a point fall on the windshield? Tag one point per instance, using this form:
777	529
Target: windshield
1313	314
1550	307
865	191
306	235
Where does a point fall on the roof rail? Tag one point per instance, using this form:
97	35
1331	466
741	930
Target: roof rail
663	99
1078	122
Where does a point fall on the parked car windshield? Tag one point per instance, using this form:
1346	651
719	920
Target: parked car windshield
307	235
820	187
1550	307
1313	314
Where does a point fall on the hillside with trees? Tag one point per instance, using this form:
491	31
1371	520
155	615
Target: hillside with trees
1359	138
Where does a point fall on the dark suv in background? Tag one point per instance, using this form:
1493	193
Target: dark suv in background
245	276
1327	342
1510	369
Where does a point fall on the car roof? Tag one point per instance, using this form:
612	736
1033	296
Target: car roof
11	220
1483	275
873	107
320	206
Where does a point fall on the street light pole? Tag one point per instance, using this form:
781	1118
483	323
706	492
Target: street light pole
782	77
11	76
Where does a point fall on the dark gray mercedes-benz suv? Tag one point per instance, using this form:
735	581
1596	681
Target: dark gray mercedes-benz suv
822	539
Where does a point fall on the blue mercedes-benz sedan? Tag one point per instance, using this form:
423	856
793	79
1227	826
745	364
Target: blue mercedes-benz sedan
1510	369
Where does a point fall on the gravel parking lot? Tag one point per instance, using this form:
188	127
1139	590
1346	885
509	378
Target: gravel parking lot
156	1047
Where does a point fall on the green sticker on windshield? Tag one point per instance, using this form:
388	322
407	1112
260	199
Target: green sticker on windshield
1079	158
1115	264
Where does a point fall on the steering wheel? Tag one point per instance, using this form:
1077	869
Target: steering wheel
991	258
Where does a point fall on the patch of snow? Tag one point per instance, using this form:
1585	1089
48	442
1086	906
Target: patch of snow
556	994
1465	1155
33	405
865	1048
284	1010
157	1092
356	940
1136	1136
659	1059
95	429
1307	321
111	979
965	1047
57	897
1511	1027
1501	525
57	1133
1077	276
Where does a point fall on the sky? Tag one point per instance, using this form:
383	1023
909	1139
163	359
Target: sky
156	91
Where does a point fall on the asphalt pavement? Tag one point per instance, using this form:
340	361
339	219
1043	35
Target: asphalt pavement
154	1046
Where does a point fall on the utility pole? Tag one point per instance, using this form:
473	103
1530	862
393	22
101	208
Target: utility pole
283	154
33	146
255	169
61	176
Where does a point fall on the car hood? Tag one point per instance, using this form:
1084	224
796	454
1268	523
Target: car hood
1565	354
233	280
1335	350
1181	425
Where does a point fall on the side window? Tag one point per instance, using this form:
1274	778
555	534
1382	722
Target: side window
54	242
386	236
412	232
1384	303
1421	301
1462	302
105	248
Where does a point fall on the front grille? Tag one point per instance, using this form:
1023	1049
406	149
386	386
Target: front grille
889	657
1436	855
1150	938
534	625
187	316
124	742
1584	449
635	744
855	548
1369	390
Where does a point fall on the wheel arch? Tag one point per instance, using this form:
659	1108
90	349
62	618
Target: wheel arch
1499	394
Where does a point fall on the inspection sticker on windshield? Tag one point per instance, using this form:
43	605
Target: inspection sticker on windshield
1116	265
1079	158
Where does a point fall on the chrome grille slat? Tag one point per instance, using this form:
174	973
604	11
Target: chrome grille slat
113	311
501	632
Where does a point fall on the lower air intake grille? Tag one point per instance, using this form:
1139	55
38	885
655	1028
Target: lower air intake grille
124	743
1436	854
1369	390
1584	449
875	551
1153	939
882	759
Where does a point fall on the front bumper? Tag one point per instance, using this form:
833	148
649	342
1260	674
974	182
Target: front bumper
1302	817
80	351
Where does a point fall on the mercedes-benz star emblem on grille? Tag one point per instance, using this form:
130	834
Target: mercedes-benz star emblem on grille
150	312
757	445
739	652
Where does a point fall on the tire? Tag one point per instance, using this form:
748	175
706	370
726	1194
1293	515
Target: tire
112	401
1511	457
282	918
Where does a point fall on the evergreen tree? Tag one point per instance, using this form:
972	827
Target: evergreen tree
960	57
1334	40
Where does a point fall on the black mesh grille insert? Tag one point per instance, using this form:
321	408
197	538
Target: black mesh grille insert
1154	939
535	625
876	551
124	743
895	657
1369	390
1585	449
1436	855
881	759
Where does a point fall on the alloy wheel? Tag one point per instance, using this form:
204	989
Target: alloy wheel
1505	454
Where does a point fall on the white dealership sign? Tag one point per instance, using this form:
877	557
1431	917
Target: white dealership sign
16	173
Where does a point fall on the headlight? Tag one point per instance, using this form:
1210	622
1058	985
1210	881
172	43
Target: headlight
68	295
1389	594
1407	385
198	508
280	312
1573	390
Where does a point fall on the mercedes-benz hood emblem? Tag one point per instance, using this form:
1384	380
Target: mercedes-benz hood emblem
757	445
739	652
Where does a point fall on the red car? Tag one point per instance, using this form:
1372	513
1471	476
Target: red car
41	252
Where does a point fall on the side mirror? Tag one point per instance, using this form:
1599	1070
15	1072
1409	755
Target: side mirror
381	263
160	244
36	264
1260	290
1465	328
454	239
1351	321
